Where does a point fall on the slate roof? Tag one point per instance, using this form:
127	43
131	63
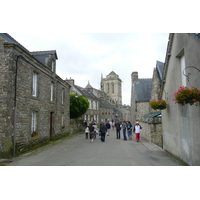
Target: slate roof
160	69
105	104
39	55
85	92
143	90
196	35
42	55
10	39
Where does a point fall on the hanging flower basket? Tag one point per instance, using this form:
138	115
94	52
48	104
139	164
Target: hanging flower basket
158	104
184	95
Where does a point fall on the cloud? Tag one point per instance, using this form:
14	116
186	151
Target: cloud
85	56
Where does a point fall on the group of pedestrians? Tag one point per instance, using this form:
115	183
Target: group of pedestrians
91	130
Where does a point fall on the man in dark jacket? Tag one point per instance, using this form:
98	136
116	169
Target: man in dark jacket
103	130
118	128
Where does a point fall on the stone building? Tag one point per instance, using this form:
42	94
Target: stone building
140	97
154	118
34	100
181	122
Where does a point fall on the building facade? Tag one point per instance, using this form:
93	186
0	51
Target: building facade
181	123
34	101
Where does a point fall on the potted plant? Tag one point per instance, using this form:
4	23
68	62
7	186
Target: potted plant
34	133
184	95
158	104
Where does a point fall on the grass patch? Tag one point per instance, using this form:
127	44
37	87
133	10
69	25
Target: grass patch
177	159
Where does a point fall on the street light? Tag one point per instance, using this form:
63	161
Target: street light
76	95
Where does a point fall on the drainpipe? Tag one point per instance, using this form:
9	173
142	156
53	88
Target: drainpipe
15	109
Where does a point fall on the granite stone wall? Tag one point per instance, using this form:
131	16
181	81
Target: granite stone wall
16	85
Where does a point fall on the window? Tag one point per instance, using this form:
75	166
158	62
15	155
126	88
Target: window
63	93
90	103
52	90
53	66
94	105
113	91
97	105
33	122
34	86
182	61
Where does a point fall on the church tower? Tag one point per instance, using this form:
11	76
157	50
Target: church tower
112	86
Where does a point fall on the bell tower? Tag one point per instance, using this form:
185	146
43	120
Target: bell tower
112	86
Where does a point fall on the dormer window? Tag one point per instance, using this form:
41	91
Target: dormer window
53	66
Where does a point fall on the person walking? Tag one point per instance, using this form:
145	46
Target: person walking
91	131
95	129
129	129
113	125
118	128
108	128
86	132
103	130
124	127
137	130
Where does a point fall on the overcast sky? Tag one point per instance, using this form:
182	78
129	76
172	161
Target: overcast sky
84	57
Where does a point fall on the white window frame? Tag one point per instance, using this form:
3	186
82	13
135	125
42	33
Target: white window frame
90	104
97	105
33	121
52	91
183	77
63	92
53	66
35	85
94	105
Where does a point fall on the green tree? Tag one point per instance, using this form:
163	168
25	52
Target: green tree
78	106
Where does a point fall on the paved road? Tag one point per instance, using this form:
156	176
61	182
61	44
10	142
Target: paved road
78	151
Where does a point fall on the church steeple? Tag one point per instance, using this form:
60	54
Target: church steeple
88	85
101	84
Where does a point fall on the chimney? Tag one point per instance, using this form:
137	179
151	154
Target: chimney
70	81
134	77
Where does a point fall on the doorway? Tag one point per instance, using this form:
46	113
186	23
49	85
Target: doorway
51	126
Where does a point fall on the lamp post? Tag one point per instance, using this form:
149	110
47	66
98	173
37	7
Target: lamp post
76	95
